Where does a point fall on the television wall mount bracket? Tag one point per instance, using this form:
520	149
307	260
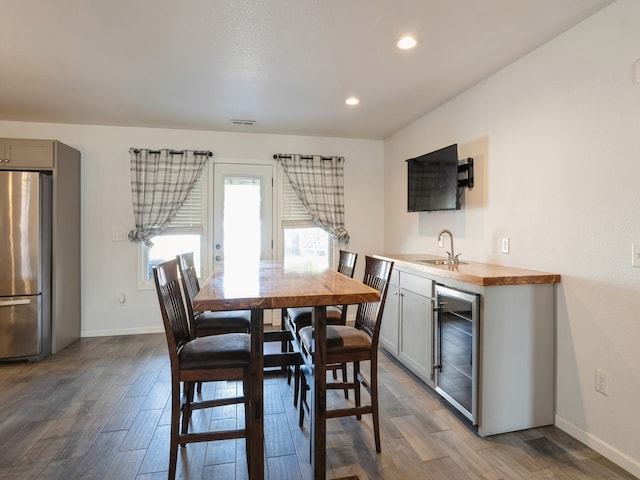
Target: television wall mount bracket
466	169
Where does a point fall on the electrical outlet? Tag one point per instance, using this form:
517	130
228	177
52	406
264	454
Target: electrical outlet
505	245
441	242
602	382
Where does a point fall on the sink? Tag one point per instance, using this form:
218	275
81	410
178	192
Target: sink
437	262
440	261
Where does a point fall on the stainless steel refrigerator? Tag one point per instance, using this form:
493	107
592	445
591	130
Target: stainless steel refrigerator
25	265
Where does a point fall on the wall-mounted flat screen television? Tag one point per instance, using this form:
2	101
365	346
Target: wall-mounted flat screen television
433	181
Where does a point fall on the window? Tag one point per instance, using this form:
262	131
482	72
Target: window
184	234
305	244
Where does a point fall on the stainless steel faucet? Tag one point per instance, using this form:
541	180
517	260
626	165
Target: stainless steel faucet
451	256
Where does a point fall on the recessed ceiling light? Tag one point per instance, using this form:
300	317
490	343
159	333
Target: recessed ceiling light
352	101
407	42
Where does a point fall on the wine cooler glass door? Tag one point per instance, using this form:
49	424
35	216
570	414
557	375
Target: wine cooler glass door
456	348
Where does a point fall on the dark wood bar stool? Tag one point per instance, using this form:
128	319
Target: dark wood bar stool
223	357
203	324
346	344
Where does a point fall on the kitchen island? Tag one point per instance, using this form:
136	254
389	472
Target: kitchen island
507	349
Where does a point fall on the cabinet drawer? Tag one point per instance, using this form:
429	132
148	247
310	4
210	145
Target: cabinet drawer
395	278
420	285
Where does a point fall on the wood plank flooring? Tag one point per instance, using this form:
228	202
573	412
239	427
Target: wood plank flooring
100	409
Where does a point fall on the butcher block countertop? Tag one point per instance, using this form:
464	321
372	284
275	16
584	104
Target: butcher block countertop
482	274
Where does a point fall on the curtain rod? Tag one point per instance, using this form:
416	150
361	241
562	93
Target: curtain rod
278	156
177	152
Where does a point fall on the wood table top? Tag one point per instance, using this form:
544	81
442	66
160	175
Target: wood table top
481	274
272	285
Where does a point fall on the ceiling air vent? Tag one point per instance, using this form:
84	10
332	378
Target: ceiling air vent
249	123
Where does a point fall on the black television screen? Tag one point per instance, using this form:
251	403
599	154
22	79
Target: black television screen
433	181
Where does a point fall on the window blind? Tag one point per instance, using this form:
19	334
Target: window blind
190	218
294	215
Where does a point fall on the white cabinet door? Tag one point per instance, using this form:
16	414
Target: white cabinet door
390	327
416	341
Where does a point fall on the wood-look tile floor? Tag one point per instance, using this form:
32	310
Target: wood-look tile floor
100	409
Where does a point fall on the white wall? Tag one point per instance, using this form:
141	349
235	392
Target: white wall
556	139
109	267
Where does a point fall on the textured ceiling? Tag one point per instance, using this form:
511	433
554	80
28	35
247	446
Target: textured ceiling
287	64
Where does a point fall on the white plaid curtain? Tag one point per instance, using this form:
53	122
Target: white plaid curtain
160	183
319	184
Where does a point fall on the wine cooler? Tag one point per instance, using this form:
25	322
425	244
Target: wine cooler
455	362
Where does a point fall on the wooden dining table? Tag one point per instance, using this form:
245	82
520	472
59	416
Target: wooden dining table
272	285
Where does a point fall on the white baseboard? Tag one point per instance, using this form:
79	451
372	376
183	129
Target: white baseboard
123	331
631	465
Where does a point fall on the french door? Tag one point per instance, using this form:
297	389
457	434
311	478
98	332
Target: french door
242	215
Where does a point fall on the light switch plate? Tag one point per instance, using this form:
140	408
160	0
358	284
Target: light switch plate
505	245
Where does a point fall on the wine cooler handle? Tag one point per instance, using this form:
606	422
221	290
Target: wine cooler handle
436	335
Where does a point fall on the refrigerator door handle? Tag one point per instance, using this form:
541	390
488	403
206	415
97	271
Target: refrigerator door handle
8	303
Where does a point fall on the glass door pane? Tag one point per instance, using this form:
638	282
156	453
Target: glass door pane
241	224
457	348
457	355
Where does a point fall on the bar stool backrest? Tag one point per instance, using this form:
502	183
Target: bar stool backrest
172	307
368	317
